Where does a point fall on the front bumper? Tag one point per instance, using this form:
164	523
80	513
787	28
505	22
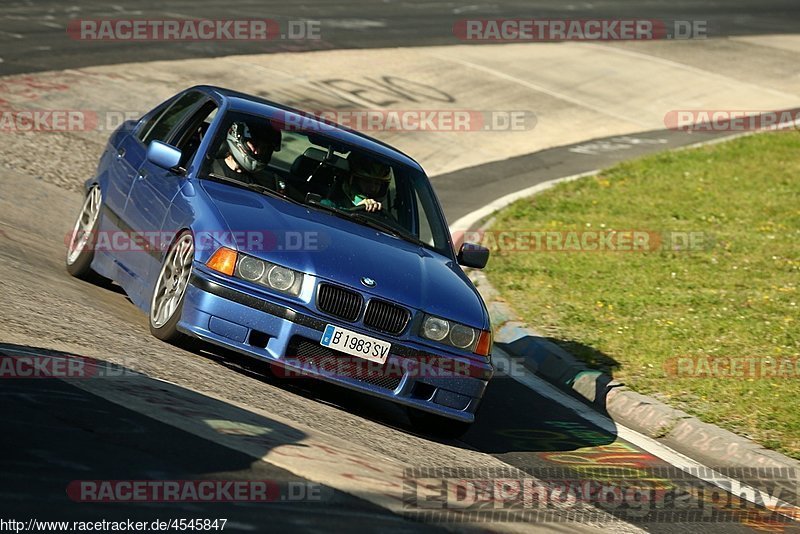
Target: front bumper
264	327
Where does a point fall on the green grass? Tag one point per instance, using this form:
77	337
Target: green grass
633	312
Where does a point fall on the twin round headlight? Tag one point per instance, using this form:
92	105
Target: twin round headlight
268	274
275	276
457	335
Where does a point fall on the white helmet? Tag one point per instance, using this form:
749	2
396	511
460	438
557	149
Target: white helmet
252	152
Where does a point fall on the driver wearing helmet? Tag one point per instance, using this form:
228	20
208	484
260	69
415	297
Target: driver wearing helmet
245	153
367	182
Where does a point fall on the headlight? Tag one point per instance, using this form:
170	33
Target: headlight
268	274
462	336
251	269
456	335
280	278
435	328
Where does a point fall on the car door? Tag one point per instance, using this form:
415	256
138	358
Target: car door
122	165
150	204
126	154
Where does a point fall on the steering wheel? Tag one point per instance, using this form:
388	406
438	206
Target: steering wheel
360	207
382	215
363	207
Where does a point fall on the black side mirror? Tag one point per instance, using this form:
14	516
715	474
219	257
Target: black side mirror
472	255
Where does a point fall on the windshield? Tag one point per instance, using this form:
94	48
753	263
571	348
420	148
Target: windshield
311	169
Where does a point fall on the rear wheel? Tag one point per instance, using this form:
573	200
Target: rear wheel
80	252
436	425
167	302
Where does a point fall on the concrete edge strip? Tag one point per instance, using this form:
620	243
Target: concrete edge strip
680	461
686	434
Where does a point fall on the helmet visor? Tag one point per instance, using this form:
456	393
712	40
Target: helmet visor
250	151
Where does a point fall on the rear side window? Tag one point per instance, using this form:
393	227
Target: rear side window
161	126
151	120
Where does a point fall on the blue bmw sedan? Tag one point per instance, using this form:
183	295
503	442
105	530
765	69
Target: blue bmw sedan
282	236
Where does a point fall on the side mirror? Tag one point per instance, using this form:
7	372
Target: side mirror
164	155
472	255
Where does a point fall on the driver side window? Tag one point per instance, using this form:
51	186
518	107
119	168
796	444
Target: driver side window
188	139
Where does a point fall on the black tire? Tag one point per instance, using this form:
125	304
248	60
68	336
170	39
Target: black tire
436	425
167	330
80	265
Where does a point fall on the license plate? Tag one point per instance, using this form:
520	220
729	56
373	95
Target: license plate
355	344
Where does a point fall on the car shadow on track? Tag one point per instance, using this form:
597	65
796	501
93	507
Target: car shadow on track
106	283
594	358
512	419
360	404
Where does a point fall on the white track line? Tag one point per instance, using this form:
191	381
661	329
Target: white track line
542	89
674	458
731	82
466	222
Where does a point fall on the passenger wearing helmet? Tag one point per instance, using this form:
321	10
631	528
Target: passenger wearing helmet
245	152
367	183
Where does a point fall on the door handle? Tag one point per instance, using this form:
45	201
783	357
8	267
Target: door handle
121	153
142	175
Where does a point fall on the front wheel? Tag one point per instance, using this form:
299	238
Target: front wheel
436	425
167	302
80	251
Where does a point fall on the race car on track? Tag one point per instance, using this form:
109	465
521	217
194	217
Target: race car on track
253	226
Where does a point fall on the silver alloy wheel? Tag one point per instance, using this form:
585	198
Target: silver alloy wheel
82	231
172	281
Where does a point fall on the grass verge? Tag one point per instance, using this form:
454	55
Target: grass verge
704	315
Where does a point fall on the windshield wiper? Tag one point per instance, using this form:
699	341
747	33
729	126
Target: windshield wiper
253	187
378	225
382	226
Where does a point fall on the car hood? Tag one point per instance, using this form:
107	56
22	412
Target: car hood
342	251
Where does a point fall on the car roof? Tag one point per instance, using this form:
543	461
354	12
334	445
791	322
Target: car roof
242	102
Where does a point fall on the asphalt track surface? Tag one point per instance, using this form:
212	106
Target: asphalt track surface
90	438
55	433
33	36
